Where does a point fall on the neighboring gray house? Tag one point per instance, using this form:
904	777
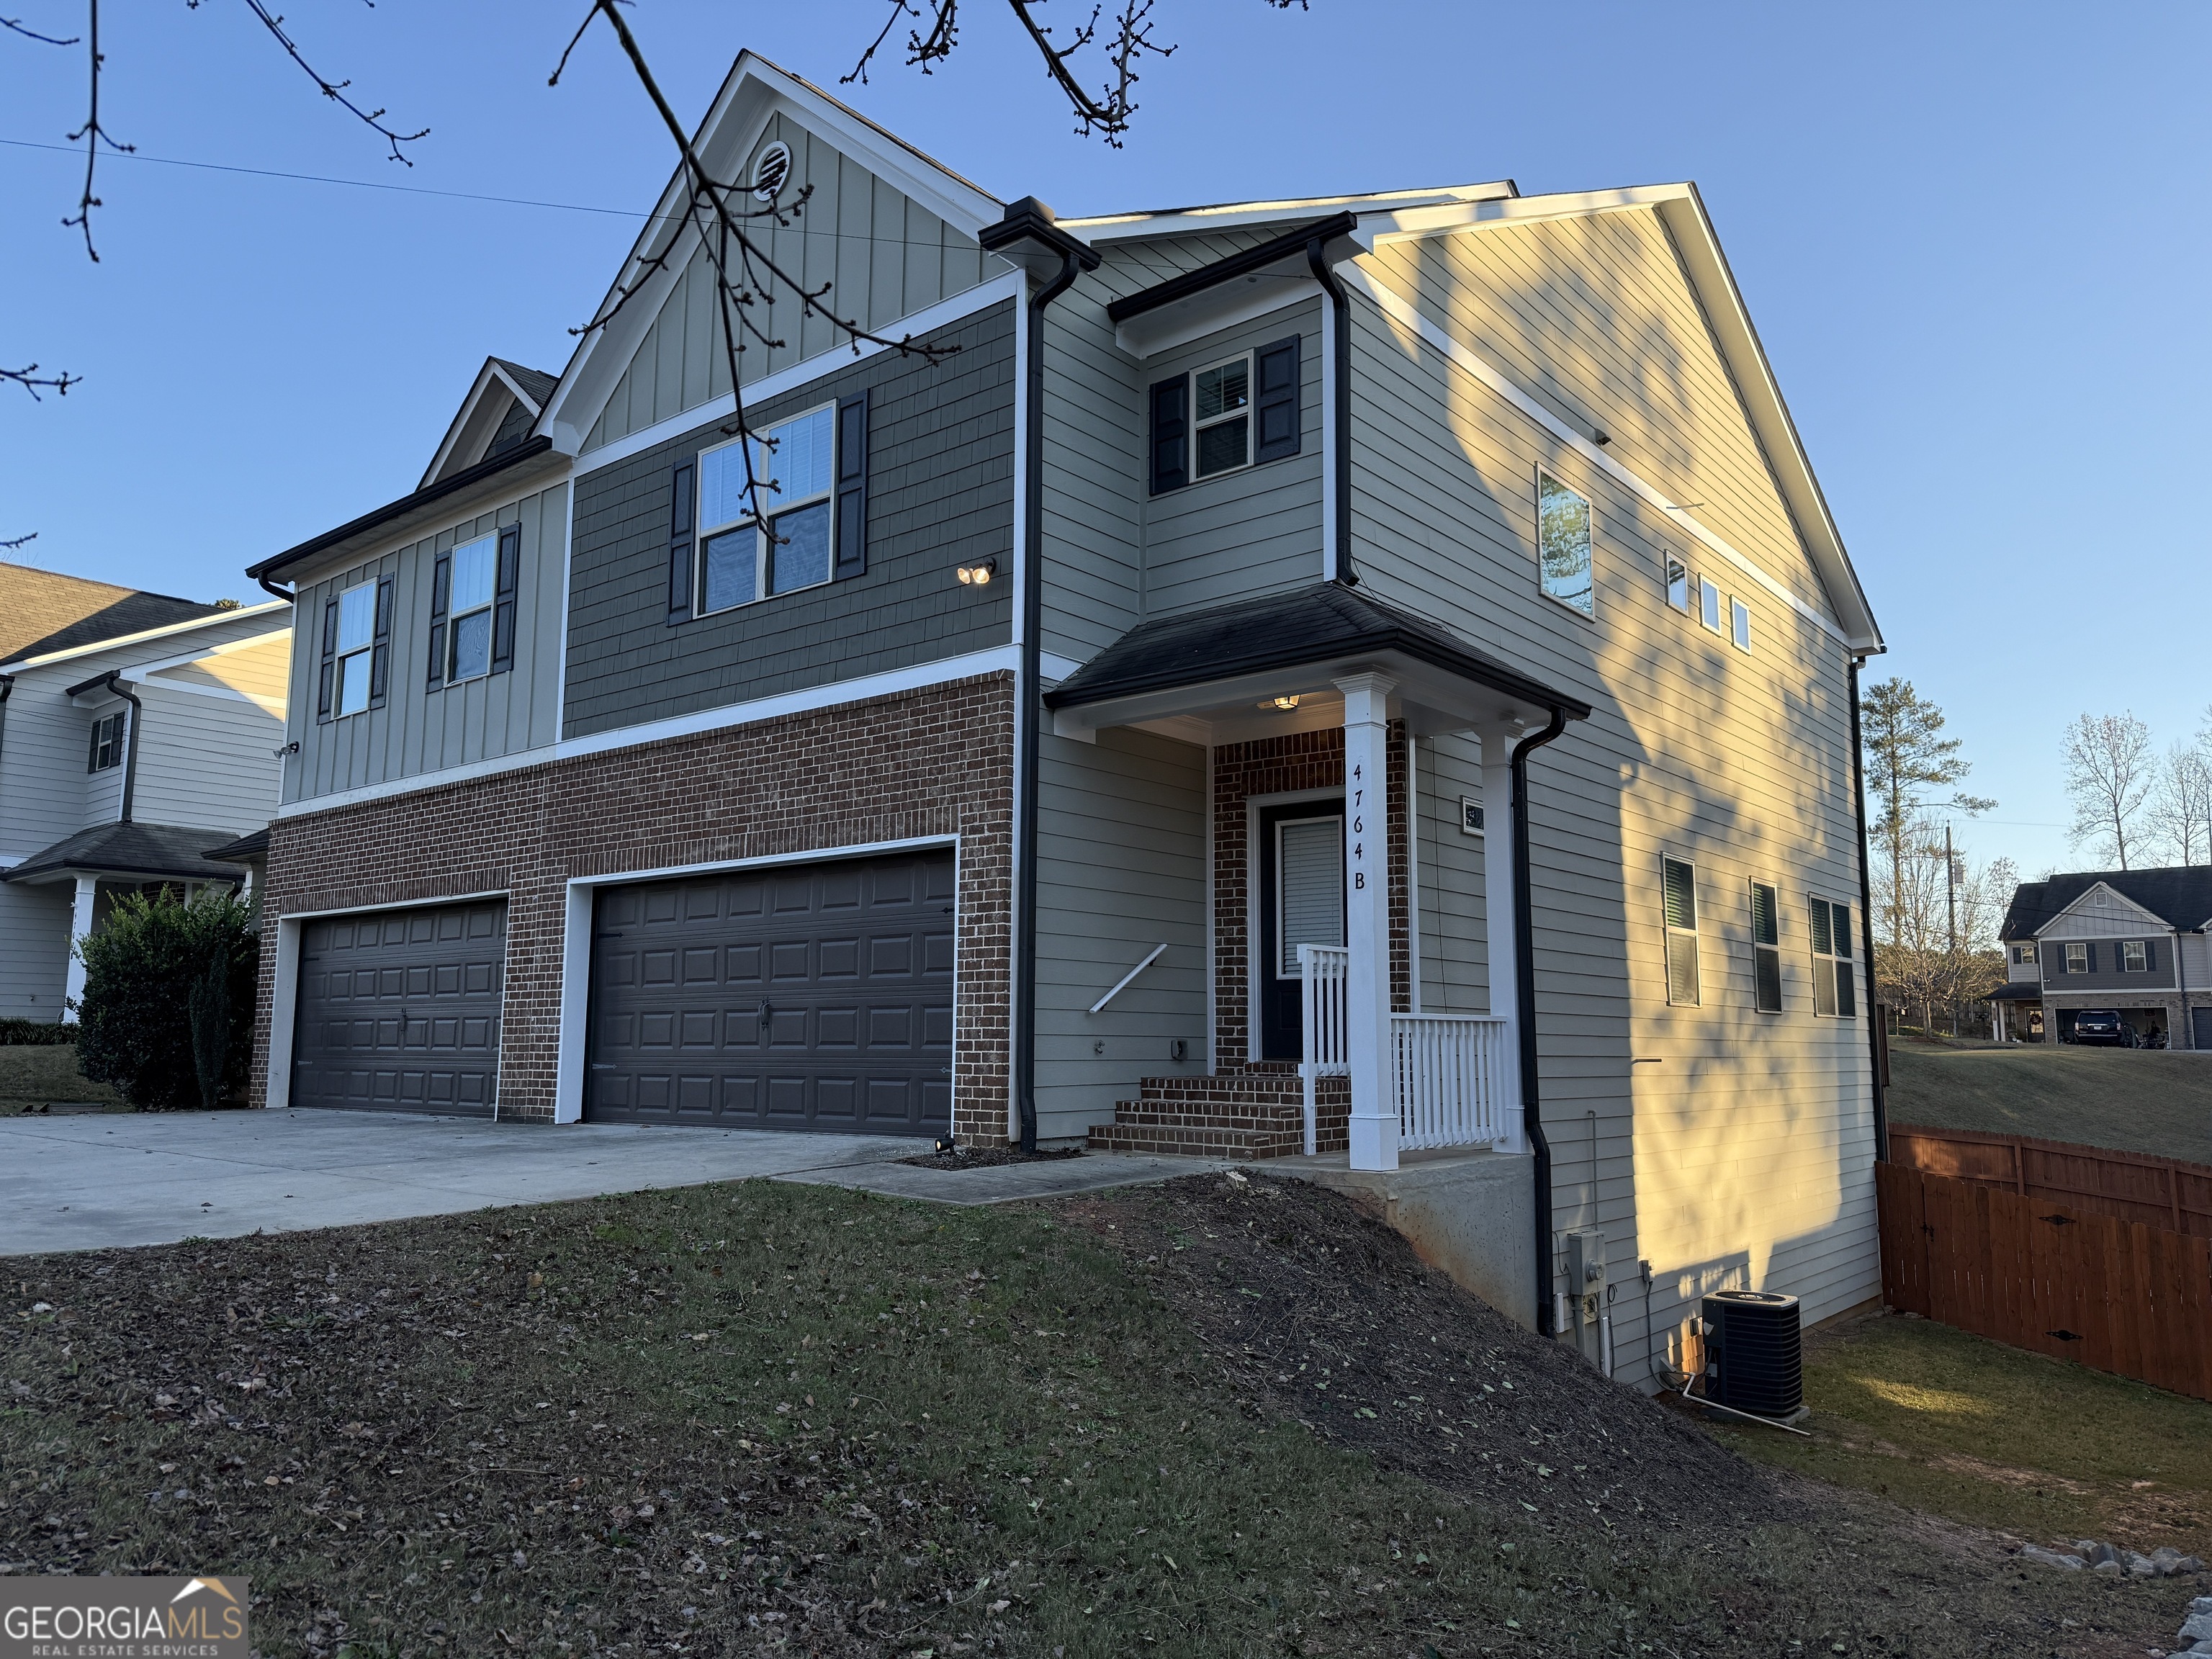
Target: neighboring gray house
2129	939
1113	736
137	733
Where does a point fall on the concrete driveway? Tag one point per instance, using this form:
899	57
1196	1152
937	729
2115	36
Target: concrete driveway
100	1181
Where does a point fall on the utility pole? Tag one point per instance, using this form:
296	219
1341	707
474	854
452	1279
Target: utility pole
1951	911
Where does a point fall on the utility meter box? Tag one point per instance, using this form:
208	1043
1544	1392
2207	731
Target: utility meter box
1586	1292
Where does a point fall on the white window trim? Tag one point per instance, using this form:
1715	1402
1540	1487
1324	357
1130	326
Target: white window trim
1589	520
2073	945
783	504
455	613
1471	819
1834	961
2130	949
365	653
1709	613
1282	873
1669	566
1739	625
1668	932
119	746
1774	908
1247	412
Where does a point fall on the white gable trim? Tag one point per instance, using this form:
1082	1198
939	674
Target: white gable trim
220	618
2107	893
1236	216
467	428
754	91
1405	314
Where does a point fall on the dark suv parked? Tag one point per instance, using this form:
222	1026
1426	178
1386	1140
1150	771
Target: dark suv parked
2103	1028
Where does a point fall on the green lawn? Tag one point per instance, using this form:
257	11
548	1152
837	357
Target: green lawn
41	1073
1944	1421
2133	1100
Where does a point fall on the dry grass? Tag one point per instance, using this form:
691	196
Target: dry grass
35	1074
2131	1100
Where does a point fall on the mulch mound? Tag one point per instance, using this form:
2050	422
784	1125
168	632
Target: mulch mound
989	1157
1313	1310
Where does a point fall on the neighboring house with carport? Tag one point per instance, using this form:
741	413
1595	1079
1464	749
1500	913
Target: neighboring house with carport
136	735
1400	636
2132	940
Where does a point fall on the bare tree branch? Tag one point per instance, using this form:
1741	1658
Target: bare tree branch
333	91
30	379
19	541
16	24
94	136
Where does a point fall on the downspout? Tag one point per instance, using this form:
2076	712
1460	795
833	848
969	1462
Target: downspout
287	597
1866	927
1524	1009
7	690
1341	375
1030	691
114	683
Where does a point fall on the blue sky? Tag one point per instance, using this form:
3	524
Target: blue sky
1970	235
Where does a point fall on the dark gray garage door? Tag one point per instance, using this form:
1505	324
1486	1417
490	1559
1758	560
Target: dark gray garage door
805	997
399	1009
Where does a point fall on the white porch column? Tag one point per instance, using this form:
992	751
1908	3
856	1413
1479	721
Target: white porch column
1367	919
1497	740
80	928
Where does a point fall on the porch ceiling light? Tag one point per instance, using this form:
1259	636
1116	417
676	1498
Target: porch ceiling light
977	575
1286	704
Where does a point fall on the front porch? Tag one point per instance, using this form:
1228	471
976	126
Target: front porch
1312	708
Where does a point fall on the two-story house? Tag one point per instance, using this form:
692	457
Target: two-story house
1390	652
2127	939
138	733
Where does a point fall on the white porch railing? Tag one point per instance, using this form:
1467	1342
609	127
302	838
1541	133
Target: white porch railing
1448	1071
1323	969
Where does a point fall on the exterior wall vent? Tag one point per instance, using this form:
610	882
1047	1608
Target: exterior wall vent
772	171
1755	1362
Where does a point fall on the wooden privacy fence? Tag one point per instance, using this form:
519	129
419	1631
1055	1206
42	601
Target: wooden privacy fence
2115	1295
2159	1192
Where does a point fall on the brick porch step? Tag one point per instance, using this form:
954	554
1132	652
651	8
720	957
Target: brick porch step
1251	1114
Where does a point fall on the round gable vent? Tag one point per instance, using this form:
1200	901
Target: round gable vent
772	171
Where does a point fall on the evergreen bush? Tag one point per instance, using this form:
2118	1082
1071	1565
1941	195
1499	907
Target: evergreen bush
167	1013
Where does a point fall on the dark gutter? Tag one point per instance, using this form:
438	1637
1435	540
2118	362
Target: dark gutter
1876	1037
7	690
1524	1007
1341	378
530	449
1030	220
1291	245
283	593
130	756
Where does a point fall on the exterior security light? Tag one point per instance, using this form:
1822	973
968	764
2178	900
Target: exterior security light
1286	704
978	574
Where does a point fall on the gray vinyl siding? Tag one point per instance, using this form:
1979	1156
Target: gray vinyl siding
34	941
1245	533
882	255
419	730
940	493
1455	939
1121	857
206	761
1741	1153
2108	975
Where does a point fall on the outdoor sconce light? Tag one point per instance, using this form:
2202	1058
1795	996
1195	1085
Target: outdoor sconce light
1286	704
977	575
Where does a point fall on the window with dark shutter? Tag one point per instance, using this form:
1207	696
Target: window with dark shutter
853	486
1833	991
502	611
380	655
683	495
1275	400
1171	434
330	661
1679	887
1766	949
441	594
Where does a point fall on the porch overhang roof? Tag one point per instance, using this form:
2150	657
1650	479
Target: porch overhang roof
2017	991
1294	643
145	851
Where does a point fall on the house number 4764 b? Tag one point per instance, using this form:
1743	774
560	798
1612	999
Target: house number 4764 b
1358	847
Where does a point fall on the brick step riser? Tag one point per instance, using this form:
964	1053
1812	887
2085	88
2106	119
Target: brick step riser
1119	1138
1241	1117
1204	1088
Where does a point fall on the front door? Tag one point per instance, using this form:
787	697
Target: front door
1302	903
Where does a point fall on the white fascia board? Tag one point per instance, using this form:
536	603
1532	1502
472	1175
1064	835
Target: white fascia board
1225	306
221	649
220	618
1443	219
466	425
1233	215
1406	315
2155	923
550	471
998	289
1003	659
754	90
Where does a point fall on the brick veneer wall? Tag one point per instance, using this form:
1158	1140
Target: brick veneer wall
1278	766
932	762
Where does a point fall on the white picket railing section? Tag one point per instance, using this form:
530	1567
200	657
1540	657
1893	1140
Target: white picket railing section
1447	1071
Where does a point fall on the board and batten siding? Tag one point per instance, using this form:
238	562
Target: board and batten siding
940	494
1448	862
1725	1146
882	255
421	731
2100	912
1121	854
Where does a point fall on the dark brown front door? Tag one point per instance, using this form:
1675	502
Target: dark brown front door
1301	865
398	1010
815	996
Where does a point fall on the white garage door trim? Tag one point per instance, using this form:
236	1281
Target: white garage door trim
576	946
284	986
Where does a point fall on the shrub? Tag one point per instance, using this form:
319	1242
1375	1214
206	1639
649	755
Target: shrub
34	1033
167	1013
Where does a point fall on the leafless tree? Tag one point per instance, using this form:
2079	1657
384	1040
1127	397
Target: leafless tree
2110	770
2179	810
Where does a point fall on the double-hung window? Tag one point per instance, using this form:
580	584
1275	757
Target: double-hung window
1766	949
2079	959
1678	584
1562	544
1739	623
1232	413
475	583
786	545
1833	991
1678	880
2023	953
2135	957
1221	413
357	635
107	735
1709	604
